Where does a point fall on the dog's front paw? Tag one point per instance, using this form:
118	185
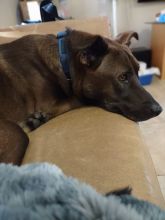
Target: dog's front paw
35	120
41	116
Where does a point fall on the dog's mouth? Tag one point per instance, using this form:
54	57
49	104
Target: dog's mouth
143	113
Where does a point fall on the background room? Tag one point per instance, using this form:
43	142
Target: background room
147	18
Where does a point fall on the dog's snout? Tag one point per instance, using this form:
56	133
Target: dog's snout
156	109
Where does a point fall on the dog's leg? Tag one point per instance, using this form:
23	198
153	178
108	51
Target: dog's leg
38	118
124	191
13	142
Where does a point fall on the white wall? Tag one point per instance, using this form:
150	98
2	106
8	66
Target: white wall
87	8
133	16
8	13
130	15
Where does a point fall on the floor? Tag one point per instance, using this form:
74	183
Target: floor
153	131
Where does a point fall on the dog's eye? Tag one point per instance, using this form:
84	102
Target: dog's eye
123	77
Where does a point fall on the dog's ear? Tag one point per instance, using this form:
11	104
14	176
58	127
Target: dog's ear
90	48
125	37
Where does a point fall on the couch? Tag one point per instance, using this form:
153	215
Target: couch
101	148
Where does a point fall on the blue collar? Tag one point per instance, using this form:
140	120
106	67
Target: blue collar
63	51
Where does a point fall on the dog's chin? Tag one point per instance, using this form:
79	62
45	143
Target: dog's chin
138	118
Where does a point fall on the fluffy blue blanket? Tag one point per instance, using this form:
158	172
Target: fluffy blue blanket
42	191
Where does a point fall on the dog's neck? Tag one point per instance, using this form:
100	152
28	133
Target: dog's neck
64	53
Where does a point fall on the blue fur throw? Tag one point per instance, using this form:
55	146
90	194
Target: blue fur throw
43	192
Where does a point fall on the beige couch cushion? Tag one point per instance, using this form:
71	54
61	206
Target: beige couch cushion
103	149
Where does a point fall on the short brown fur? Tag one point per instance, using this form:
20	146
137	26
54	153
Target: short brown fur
34	88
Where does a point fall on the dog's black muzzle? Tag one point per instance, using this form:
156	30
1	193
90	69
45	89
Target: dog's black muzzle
140	112
139	105
136	110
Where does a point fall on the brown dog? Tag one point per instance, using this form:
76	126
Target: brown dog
103	72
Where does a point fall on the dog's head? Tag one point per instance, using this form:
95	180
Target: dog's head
105	74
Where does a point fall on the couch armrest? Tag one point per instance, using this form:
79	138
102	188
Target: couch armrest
98	25
103	149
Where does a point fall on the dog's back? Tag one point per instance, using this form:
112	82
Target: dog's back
28	83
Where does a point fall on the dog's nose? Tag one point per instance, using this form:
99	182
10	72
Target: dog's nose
156	109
